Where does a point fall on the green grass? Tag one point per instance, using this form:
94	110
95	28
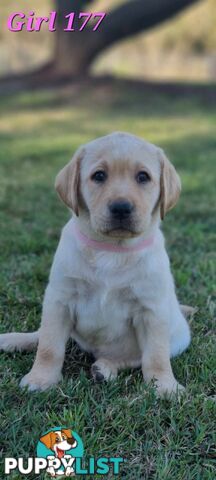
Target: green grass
160	439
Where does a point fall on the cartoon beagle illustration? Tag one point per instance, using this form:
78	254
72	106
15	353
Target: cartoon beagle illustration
60	441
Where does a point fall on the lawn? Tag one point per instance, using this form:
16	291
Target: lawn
160	439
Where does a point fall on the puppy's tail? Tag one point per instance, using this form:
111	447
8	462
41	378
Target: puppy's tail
10	342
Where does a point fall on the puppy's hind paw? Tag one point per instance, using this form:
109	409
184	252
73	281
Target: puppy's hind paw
103	370
188	311
8	342
11	342
97	374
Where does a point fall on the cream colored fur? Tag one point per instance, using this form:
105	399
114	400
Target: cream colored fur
122	307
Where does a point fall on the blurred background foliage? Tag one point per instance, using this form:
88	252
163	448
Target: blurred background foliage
181	48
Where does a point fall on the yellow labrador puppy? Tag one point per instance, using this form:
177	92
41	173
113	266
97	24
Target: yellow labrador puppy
110	286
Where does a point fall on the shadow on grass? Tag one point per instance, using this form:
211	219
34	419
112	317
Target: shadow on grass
111	92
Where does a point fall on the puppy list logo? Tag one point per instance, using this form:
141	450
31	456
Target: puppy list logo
60	447
59	453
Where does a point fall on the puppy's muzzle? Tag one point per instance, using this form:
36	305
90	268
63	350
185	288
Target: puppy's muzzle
121	209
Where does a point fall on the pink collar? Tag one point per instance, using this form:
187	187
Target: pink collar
111	247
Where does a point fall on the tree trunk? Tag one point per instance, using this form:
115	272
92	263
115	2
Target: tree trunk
75	51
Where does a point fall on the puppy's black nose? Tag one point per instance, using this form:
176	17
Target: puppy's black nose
121	209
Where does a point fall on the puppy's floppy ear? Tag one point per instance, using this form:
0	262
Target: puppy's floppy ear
67	181
47	440
170	185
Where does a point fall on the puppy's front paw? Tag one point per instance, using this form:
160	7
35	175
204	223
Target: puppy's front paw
35	381
169	389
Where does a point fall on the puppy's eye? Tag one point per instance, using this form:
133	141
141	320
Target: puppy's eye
142	177
100	176
57	440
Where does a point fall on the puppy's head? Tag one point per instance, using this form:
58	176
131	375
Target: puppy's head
121	183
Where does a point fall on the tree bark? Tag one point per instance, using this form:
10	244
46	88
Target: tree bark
72	51
75	51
